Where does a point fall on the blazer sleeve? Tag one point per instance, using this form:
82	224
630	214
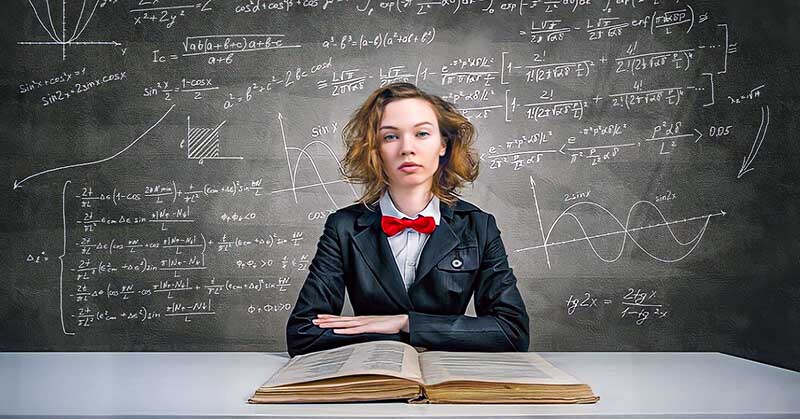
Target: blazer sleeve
501	324
323	293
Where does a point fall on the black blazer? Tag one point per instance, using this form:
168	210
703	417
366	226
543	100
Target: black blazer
354	253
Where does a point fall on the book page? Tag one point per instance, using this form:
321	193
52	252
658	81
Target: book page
391	358
498	367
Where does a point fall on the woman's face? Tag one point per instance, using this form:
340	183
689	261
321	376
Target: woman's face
410	143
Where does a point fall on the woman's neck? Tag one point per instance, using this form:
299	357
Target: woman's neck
411	201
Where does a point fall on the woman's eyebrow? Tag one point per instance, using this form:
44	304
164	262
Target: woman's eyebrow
391	127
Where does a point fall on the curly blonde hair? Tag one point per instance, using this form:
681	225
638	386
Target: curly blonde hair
362	163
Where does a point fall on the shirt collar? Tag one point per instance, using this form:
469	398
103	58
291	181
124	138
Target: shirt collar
431	210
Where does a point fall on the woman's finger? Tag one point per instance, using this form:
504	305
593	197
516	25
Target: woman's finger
331	316
337	323
334	319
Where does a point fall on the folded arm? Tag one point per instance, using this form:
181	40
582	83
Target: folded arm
323	293
501	324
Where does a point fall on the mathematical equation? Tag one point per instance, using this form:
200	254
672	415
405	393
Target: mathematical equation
489	74
636	305
661	139
451	7
167	262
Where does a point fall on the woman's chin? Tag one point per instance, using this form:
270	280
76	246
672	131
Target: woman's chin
410	181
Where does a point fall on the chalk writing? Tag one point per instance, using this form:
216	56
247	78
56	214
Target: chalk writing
634	304
148	11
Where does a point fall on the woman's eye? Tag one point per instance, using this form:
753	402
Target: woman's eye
389	137
423	133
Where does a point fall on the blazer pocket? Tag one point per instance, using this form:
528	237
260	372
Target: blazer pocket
461	259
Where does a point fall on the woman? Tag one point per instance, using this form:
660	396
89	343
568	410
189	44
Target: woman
410	253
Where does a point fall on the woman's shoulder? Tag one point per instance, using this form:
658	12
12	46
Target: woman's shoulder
364	213
477	217
355	214
358	208
462	215
467	207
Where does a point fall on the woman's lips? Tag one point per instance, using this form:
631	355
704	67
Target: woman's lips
410	168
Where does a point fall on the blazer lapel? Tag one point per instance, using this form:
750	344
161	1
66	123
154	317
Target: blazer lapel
441	242
374	247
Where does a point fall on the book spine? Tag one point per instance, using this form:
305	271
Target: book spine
422	397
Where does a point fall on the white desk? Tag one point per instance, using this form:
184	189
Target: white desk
205	385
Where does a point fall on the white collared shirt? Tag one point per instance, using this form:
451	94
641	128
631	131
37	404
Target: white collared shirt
407	244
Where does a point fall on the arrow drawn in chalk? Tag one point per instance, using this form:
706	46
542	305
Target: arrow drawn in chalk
762	132
17	183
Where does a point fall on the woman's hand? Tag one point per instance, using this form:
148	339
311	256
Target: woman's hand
363	324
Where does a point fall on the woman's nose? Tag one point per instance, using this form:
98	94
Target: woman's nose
406	145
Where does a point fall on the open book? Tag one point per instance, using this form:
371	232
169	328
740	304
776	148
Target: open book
388	370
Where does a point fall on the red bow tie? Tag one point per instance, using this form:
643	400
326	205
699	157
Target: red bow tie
393	225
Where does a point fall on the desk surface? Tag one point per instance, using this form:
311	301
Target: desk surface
195	385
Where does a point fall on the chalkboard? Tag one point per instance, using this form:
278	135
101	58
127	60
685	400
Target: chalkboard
168	165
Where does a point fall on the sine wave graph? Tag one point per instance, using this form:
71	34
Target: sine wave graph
624	229
70	32
303	152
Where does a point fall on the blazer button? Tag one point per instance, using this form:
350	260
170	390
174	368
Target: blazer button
456	263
